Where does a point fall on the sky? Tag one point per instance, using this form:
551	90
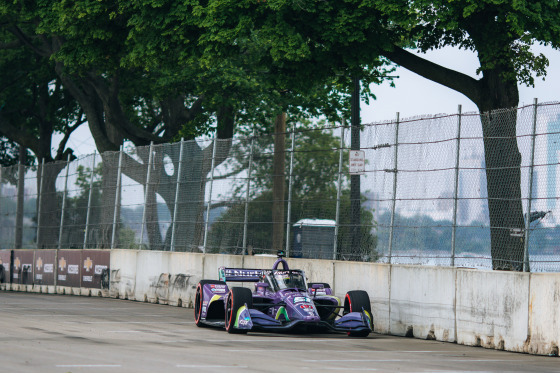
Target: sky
414	95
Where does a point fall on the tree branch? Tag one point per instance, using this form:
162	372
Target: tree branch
18	135
455	80
27	41
10	45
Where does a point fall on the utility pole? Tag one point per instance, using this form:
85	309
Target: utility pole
20	192
355	203
278	184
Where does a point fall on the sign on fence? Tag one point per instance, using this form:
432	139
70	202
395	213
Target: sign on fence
357	162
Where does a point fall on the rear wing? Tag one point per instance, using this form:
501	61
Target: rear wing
239	275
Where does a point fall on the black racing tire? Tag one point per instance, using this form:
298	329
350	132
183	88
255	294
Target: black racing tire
198	299
355	301
236	298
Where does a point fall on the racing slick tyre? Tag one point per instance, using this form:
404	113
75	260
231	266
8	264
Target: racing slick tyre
354	302
199	299
236	298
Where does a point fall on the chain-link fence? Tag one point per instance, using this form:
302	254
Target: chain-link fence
464	190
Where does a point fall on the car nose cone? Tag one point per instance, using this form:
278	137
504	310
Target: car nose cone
312	318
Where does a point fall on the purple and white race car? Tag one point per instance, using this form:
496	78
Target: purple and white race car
282	301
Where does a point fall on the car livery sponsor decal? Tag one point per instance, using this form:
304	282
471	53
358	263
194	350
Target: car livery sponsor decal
218	288
318	291
243	319
308	308
301	299
282	312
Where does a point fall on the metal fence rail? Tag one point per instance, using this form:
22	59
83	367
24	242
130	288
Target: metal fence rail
424	194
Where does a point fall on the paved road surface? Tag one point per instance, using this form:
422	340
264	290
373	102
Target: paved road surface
55	333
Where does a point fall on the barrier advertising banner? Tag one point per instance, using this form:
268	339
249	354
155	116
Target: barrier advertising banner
23	266
5	258
69	268
95	268
44	267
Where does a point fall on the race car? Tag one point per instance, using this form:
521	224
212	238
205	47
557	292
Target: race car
281	301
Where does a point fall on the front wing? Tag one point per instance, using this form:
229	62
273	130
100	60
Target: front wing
254	320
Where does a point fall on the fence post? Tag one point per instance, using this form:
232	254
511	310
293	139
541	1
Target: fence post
290	182
148	175
117	199
528	214
391	229
214	146
176	197
245	221
91	176
39	198
338	190
456	187
63	203
18	240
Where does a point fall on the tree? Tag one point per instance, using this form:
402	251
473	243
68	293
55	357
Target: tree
34	107
87	46
501	33
138	72
357	32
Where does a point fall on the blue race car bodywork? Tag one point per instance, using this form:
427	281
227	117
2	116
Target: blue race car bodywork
281	301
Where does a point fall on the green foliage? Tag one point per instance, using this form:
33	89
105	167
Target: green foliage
314	194
500	32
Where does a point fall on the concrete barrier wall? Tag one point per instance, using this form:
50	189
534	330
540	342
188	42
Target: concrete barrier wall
492	309
502	310
422	302
544	313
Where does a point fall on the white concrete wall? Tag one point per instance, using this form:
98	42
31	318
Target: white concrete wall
422	302
492	309
544	313
502	310
123	273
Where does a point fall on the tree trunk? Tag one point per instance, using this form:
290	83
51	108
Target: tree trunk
51	203
492	93
279	182
503	174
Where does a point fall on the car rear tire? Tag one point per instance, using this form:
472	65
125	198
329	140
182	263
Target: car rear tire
237	297
355	301
199	299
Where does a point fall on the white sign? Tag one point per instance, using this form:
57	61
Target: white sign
99	269
73	269
517	233
357	162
